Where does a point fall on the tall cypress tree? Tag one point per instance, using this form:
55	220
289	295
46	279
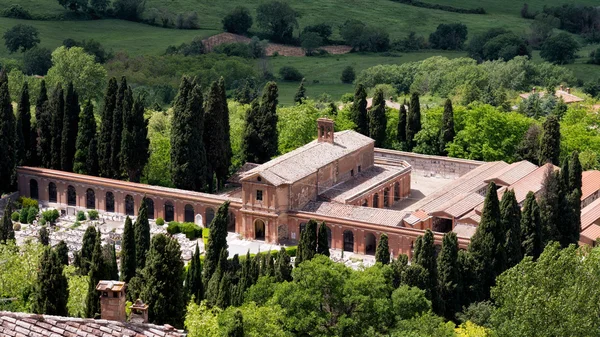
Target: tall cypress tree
252	142
142	235
104	139
216	142
7	231
193	281
447	132
214	284
23	130
70	129
283	267
134	142
426	259
510	213
323	240
87	249
58	110
378	119
358	111
222	171
401	135
300	93
448	277
122	106
307	248
43	119
44	236
85	137
531	227
550	206
110	257
217	241
98	272
52	289
413	120
237	328
550	142
382	253
62	250
7	138
260	138
224	298
128	256
575	172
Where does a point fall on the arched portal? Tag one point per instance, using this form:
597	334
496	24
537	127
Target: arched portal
396	191
209	214
386	197
370	244
348	241
129	205
52	192
110	202
376	200
169	211
198	220
71	196
188	214
259	229
33	189
90	199
231	222
150	207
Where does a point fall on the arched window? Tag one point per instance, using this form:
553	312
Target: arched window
90	199
110	202
71	196
301	228
209	215
386	197
188	215
231	222
396	191
376	200
259	229
33	189
365	203
129	205
169	211
52	192
348	241
370	244
150	206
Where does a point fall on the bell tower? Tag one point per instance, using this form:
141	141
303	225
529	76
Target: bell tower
325	130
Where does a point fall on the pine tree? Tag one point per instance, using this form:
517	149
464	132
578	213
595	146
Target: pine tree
193	281
6	227
52	290
447	132
70	129
43	236
86	134
550	142
401	135
23	129
134	141
217	142
358	112
98	271
382	254
260	137
142	235
413	120
283	268
217	241
63	252
43	118
224	298
128	252
104	139
426	259
448	277
87	249
300	94
323	240
7	138
123	105
550	206
531	227
510	213
378	119
237	328
57	105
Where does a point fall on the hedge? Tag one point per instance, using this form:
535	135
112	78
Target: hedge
191	230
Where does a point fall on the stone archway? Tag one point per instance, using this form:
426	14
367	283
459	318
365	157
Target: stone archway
71	196
188	213
209	214
129	205
110	202
231	222
33	189
370	244
259	229
169	212
90	199
198	220
52	194
348	241
396	191
386	197
150	207
376	200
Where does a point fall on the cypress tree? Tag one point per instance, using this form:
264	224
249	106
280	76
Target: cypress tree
92	161
417	249
85	137
87	249
237	329
550	142
426	259
378	119
529	148
322	240
222	171
98	272
63	253
382	254
510	214
70	129
58	110
7	231
110	257
43	236
575	172
216	142
531	227
401	135
217	241
447	132
23	130
128	252
52	289
7	138
122	107
193	281
134	141
104	139
43	118
300	93
448	277
224	298
413	120
550	206
307	248
283	268
260	138
142	235
358	112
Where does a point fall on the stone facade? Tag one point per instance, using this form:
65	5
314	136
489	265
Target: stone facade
427	165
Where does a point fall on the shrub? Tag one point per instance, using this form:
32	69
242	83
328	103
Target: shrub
23	215
322	29
595	57
15	216
234	49
75	225
238	21
160	222
17	12
289	73
196	47
93	214
347	97
25	202
448	36
50	215
205	234
173	228
17	227
191	230
348	75
258	47
291	250
42	222
81	216
32	214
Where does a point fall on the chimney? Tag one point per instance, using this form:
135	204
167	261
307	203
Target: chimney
112	300
568	90
325	130
139	312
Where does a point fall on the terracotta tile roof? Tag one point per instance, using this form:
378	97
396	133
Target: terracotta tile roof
378	216
23	324
415	217
472	218
362	182
464	231
512	173
590	183
235	178
590	214
459	205
591	234
303	161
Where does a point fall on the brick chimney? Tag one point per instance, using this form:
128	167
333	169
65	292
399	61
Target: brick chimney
325	130
112	300
139	312
568	90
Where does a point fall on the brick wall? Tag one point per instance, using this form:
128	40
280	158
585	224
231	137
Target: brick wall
427	165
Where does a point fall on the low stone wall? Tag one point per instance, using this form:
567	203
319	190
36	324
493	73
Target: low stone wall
6	199
427	165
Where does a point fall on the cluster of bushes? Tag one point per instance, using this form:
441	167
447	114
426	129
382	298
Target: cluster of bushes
577	19
447	8
164	18
16	11
364	38
91	47
289	73
448	36
196	47
238	21
50	215
191	230
255	49
412	42
26	215
497	43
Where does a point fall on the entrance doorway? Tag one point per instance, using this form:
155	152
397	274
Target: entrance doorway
259	229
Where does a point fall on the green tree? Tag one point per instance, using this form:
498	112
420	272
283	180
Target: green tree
348	75
510	214
217	241
7	231
401	132
447	132
43	126
449	287
358	111
531	227
307	247
22	37
300	93
277	19
575	171
425	257
560	48
413	120
98	271
142	235
224	298
448	36
529	147
550	200
217	142
123	106
51	293
24	147
238	21
378	119
57	105
260	136
550	141
7	138
134	141
310	42
283	268
110	258
69	129
128	252
322	240
87	249
214	283
63	252
86	136
104	139
193	280
44	236
382	254
77	66
409	302
237	329
37	61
